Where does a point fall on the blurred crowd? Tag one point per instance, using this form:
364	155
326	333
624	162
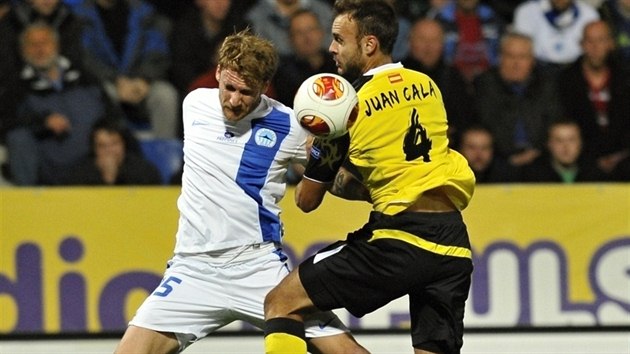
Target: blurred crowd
535	91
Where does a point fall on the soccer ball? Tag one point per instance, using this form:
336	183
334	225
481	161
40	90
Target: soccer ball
326	105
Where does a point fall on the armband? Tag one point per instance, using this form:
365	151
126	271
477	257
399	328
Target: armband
327	156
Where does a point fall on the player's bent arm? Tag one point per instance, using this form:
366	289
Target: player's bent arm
326	158
347	186
309	194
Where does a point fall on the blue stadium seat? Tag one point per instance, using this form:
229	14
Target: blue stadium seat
166	154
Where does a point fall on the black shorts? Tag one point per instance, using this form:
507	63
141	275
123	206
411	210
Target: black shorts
423	255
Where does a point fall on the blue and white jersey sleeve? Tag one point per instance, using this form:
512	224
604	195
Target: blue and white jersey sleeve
234	173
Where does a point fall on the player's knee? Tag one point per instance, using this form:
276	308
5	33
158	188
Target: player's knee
272	306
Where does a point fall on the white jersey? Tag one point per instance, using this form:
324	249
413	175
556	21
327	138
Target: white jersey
234	173
558	44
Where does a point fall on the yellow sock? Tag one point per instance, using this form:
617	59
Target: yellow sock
284	336
283	343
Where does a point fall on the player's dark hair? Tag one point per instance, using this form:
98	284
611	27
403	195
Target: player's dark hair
373	17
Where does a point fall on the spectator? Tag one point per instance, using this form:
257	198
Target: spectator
617	14
55	113
270	19
127	48
472	36
555	27
563	161
197	35
307	58
477	146
426	44
53	12
18	15
595	90
516	101
115	159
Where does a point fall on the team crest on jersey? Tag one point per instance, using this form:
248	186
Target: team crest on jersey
266	137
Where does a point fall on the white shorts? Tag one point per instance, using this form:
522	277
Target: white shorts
202	293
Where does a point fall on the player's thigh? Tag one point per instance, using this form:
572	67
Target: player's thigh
138	340
190	302
249	284
287	297
252	281
437	309
341	277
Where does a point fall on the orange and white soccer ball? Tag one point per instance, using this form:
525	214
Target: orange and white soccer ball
326	105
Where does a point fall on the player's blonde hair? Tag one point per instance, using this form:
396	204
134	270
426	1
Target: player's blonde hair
254	58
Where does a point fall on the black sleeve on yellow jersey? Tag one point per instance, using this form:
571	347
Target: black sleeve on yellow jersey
327	156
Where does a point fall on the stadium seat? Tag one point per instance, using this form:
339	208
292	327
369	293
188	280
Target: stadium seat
166	154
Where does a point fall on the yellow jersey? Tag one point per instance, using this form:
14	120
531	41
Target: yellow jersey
399	142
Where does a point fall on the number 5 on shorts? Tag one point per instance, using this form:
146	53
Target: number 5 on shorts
166	285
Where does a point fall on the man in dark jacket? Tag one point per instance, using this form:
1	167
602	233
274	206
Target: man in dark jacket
308	58
57	105
595	91
477	146
517	102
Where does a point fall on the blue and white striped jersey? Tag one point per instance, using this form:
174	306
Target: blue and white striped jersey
234	173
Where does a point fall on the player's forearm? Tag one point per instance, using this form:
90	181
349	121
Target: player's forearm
346	186
309	194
